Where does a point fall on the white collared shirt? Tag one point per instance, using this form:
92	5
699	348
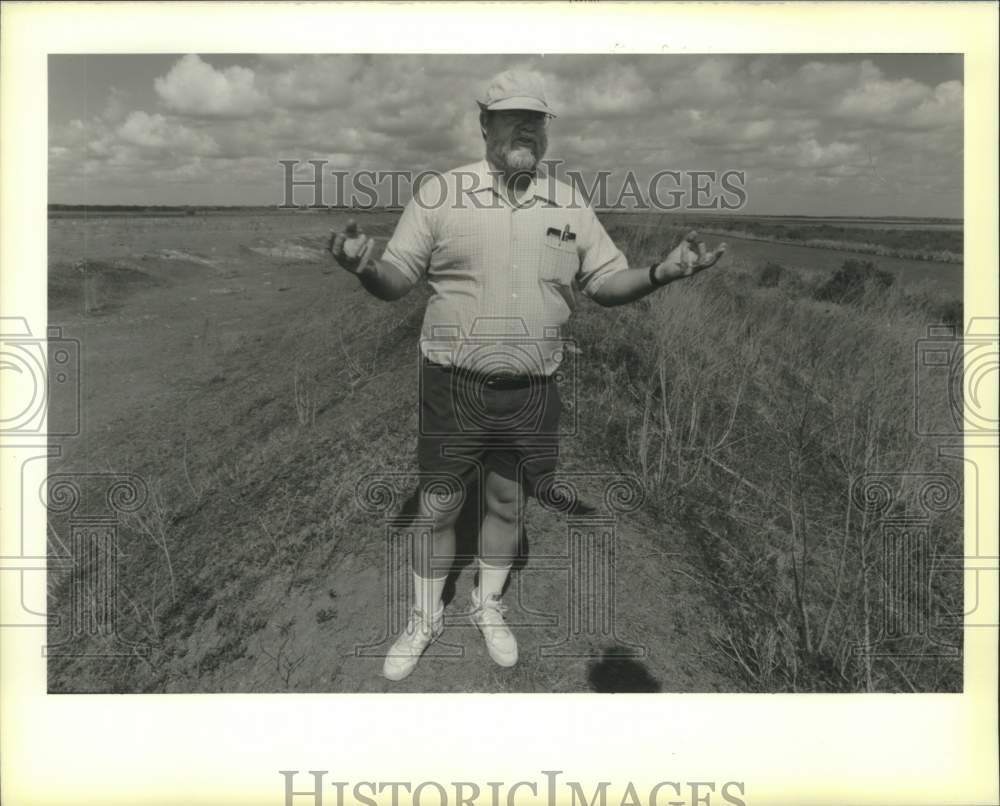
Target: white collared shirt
503	277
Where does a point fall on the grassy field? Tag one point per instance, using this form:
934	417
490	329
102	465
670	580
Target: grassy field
251	386
944	246
759	396
934	242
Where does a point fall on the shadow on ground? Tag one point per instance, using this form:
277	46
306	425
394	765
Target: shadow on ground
615	673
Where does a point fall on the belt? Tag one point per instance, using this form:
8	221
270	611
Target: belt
494	380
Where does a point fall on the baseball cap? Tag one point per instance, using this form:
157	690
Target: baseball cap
515	90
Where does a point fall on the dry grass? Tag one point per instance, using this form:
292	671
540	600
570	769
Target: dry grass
747	408
839	244
749	412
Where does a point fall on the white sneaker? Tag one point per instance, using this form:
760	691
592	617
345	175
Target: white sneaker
488	617
420	633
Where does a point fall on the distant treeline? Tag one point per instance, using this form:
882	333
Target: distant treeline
907	242
182	209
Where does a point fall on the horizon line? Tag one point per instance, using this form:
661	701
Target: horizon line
397	208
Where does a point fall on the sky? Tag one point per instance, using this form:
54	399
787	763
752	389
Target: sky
820	134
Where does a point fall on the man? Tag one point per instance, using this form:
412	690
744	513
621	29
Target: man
503	247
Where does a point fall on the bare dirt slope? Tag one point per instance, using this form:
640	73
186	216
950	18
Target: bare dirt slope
251	386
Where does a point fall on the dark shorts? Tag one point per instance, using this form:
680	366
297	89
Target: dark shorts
471	424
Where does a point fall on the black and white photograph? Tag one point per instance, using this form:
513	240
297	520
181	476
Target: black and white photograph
526	373
615	386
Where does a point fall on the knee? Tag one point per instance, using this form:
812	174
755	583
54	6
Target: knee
441	506
502	500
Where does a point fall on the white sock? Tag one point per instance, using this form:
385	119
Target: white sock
427	594
491	579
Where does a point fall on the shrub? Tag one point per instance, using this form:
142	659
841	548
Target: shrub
771	274
949	312
852	281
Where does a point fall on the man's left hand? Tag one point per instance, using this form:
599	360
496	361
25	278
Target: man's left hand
687	258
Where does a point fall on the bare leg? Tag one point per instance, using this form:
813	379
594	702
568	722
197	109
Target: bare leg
433	558
499	535
501	524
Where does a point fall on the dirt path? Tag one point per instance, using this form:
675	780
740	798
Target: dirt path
281	575
656	639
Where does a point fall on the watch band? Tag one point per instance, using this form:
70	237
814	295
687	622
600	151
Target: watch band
652	276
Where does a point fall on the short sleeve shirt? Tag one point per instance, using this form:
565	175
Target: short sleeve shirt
503	277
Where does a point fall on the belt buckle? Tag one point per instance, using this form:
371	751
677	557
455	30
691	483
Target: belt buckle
501	379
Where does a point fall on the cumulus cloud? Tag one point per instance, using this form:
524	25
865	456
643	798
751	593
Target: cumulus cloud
941	108
312	82
156	132
619	92
194	87
791	123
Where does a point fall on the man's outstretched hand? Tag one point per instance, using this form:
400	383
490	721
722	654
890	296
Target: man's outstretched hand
688	257
352	251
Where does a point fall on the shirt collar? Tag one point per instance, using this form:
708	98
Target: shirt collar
541	186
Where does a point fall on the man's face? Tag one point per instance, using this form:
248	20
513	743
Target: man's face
516	139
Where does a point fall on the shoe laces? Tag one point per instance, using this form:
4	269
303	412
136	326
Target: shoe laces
419	626
492	610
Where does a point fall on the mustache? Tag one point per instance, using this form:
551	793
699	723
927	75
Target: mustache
535	145
520	151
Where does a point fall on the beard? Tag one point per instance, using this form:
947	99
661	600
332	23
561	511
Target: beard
514	156
521	158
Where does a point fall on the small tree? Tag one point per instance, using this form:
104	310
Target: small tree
771	275
853	280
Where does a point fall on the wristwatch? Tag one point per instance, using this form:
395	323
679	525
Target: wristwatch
652	276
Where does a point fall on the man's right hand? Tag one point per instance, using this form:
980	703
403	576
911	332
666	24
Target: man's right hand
353	254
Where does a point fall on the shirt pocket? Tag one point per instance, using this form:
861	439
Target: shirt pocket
559	262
